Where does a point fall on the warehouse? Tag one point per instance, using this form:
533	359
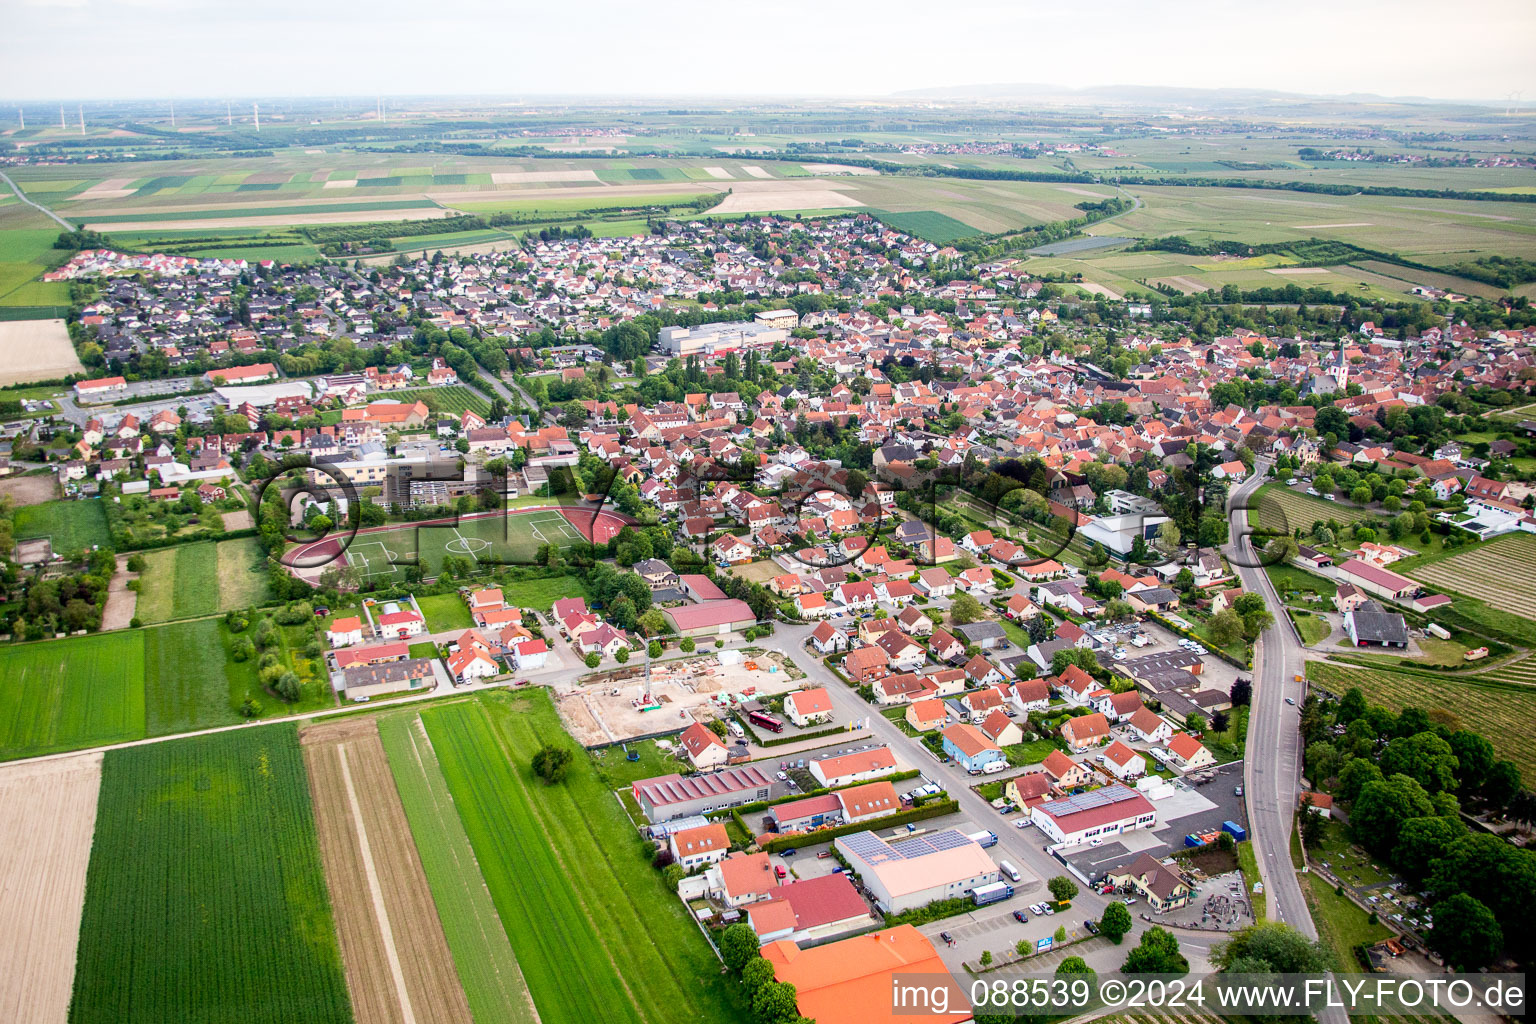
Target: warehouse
910	873
678	796
1097	813
709	339
1375	580
711	618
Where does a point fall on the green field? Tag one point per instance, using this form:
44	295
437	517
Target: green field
70	525
72	693
493	982
541	595
926	224
447	401
566	873
201	579
445	611
1340	923
190	682
205	899
1282	509
226	213
1503	713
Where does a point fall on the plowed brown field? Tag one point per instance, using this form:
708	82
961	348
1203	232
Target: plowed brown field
398	965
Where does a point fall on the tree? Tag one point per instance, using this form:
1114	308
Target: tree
287	687
1422	842
757	972
593	660
1225	627
622	655
1423	757
1242	692
552	763
1465	933
1116	922
1354	777
986	957
653	649
1272	947
1074	965
1083	659
1378	813
1502	783
775	1002
1157	953
687	645
1351	705
1474	760
738	946
1062	887
965	609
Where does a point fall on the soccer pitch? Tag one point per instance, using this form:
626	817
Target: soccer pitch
491	539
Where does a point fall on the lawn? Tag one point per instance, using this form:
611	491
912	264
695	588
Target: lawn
565	870
205	899
66	694
617	772
242	574
1340	923
1503	712
1021	754
197	580
1250	867
541	595
444	612
71	525
1299	586
157	586
1311	628
493	982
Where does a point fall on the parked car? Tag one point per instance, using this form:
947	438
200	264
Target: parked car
782	776
823	854
1092	926
949	940
1291	701
1020	916
787	854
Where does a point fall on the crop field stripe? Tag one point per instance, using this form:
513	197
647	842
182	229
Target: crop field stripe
72	693
550	929
573	842
258	211
488	969
197	580
187	678
157	586
1499	573
205	899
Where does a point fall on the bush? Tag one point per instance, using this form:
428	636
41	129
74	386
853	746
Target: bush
552	763
294	614
287	687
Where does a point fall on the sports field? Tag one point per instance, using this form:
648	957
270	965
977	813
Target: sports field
491	538
70	525
566	874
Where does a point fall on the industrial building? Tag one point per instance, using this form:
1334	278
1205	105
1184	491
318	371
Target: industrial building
907	873
712	339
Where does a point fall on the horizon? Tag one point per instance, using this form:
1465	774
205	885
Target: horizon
172	48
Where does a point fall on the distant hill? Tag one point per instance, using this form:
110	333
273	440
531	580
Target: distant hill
1155	96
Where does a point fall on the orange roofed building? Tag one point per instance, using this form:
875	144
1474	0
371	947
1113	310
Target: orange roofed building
850	981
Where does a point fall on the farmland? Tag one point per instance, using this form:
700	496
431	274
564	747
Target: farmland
190	681
47	815
77	692
493	983
36	350
1505	714
205	898
70	525
201	579
397	962
1282	509
567	880
1499	573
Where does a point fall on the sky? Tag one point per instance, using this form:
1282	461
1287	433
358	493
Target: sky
126	49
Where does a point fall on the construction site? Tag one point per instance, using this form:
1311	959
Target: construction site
663	697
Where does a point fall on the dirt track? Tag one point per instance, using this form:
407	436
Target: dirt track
121	602
47	819
398	965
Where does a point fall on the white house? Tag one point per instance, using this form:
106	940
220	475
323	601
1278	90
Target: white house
1100	813
1122	762
1150	727
809	707
345	632
530	654
699	847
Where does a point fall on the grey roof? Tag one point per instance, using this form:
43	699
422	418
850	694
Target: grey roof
1156	595
1377	625
977	631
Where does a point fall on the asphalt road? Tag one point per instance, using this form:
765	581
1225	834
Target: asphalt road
66	225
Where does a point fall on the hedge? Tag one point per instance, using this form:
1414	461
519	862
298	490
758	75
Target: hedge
799	839
935	911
